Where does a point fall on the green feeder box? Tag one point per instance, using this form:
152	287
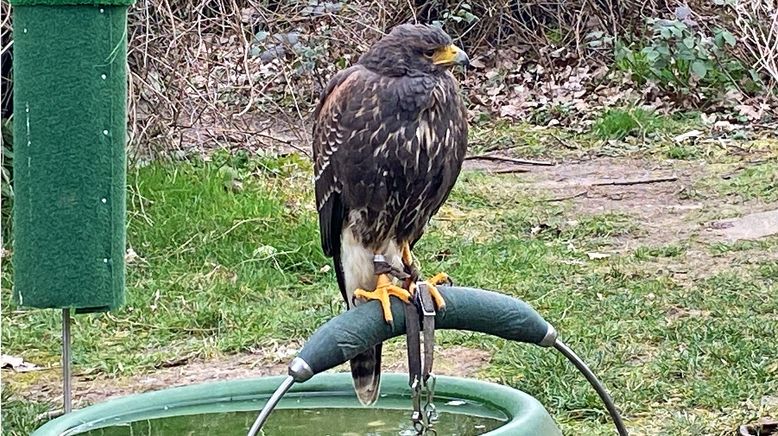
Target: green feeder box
70	115
70	128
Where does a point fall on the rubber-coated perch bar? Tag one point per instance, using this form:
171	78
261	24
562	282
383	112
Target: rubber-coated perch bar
354	331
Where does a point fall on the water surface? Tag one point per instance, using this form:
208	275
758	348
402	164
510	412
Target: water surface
319	421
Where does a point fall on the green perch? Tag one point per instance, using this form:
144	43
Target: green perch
476	310
363	327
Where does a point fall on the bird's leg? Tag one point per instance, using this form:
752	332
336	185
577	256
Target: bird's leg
432	283
384	288
407	256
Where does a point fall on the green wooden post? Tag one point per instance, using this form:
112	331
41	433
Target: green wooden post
70	115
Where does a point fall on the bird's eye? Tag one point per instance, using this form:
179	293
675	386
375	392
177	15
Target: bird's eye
429	53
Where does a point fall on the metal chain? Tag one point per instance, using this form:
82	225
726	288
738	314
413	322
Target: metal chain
424	418
429	406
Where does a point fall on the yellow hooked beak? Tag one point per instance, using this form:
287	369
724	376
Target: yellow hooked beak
450	55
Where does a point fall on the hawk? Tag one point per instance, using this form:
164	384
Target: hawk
389	139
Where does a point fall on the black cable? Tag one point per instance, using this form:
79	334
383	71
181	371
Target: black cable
572	357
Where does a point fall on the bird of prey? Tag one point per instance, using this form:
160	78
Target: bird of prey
389	139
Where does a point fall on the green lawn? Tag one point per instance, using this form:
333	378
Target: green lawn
228	259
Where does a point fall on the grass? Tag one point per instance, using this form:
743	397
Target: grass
619	123
682	152
228	260
19	417
742	182
759	181
648	252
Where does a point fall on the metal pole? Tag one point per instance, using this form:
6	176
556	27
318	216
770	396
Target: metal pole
592	379
66	380
264	414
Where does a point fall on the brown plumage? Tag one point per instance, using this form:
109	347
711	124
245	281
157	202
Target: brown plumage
389	138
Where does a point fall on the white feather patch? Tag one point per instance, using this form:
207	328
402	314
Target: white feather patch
357	261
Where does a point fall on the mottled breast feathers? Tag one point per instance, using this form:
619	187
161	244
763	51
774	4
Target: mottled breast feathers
387	151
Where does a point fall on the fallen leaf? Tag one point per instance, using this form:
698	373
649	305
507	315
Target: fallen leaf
265	251
572	262
131	256
16	363
708	119
510	110
476	63
688	135
751	112
725	126
153	305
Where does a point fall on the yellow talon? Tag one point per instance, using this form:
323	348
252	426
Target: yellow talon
440	303
432	283
439	279
384	288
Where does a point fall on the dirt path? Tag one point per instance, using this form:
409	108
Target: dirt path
669	202
88	389
658	195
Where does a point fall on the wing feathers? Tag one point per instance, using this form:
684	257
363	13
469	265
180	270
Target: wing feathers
327	139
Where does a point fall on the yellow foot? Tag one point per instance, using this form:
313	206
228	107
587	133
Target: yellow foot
384	288
432	285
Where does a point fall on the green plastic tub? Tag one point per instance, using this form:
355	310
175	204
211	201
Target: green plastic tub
325	404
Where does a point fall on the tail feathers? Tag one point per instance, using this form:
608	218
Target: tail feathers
366	374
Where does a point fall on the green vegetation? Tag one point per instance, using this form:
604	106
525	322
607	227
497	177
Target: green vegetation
19	417
620	123
680	58
759	181
682	152
226	260
671	250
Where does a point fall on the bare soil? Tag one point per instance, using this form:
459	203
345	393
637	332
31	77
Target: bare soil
88	389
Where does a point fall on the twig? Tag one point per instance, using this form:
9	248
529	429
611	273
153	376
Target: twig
510	159
510	171
567	197
635	181
499	147
51	414
563	143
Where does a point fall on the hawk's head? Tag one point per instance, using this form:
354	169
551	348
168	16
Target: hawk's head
413	50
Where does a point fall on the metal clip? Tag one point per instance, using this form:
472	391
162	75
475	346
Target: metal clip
416	393
424	299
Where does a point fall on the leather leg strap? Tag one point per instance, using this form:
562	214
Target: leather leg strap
427	308
413	343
